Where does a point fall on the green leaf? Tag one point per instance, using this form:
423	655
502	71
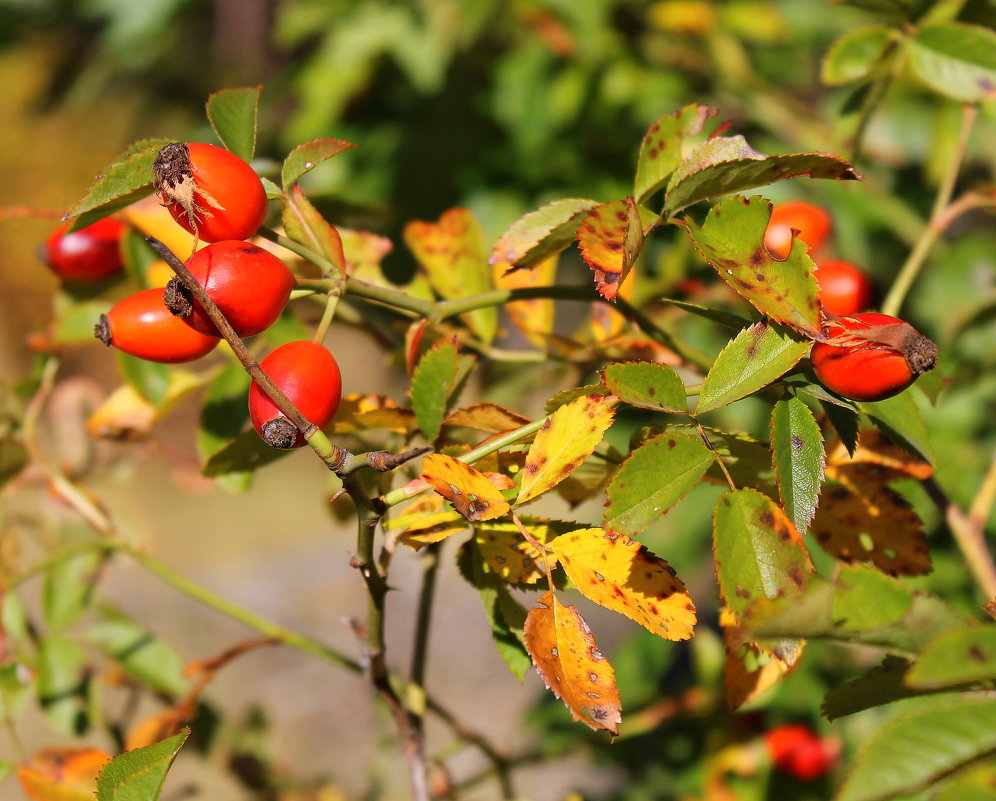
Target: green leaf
661	148
246	453
955	59
432	384
16	682
956	657
753	359
541	233
881	685
868	599
142	655
647	385
69	588
919	746
724	165
900	419
759	554
565	396
653	479
74	323
224	412
732	321
306	157
799	458
124	181
14	457
139	775
854	55
732	240
846	423
62	685
304	223
889	9
232	113
149	379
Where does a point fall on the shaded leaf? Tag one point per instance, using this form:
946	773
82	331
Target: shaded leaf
752	668
451	251
611	238
757	356
955	657
14	457
648	385
69	588
224	412
232	113
877	449
486	416
470	491
920	745
139	775
306	157
620	574
126	415
124	181
900	419
881	685
61	684
661	148
568	436
653	479
732	240
141	654
797	448
432	384
854	56
246	453
62	774
542	233
304	223
149	379
955	59
565	654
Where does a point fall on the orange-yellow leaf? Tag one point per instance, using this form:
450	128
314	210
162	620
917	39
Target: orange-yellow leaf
451	252
367	412
470	492
568	436
153	729
424	521
509	554
606	321
611	237
752	668
620	574
862	519
62	774
363	250
877	449
534	318
565	654
486	416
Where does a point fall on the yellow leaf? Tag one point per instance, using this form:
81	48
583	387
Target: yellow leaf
568	436
425	521
365	412
126	415
470	492
534	318
508	553
875	448
620	574
565	654
62	774
486	416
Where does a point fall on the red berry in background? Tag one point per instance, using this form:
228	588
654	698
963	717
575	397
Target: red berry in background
308	375
871	356
142	326
92	253
844	288
798	751
209	191
249	285
811	222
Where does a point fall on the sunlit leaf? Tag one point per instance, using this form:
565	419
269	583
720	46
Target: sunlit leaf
486	416
855	55
611	238
568	436
565	654
797	448
955	59
470	492
451	251
62	774
309	155
648	385
955	657
732	240
232	113
661	148
620	574
432	384
370	413
139	775
511	556
70	587
653	479
757	356
304	224
875	448
61	684
541	234
901	420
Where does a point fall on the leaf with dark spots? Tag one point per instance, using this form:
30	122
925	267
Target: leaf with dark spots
648	385
798	459
541	234
731	240
611	237
661	148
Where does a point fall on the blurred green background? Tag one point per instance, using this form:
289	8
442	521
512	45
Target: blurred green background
499	105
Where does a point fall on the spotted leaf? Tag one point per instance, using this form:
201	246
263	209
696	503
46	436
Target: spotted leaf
567	658
611	238
486	416
534	317
648	385
470	491
797	448
511	556
620	574
424	521
541	234
752	668
567	437
732	240
661	149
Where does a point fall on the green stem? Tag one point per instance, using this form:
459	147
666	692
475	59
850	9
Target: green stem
331	303
938	220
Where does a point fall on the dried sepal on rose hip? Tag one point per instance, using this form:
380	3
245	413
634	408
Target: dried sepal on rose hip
210	191
871	356
309	376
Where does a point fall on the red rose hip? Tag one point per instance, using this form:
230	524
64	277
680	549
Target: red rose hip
797	750
209	191
249	285
810	222
844	288
142	326
92	253
309	376
871	356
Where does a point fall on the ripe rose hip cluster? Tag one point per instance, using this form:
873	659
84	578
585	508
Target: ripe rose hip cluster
217	197
868	356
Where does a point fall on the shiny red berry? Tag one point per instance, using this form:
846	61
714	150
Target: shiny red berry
811	223
248	284
209	191
797	750
844	288
308	375
92	253
142	326
871	356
